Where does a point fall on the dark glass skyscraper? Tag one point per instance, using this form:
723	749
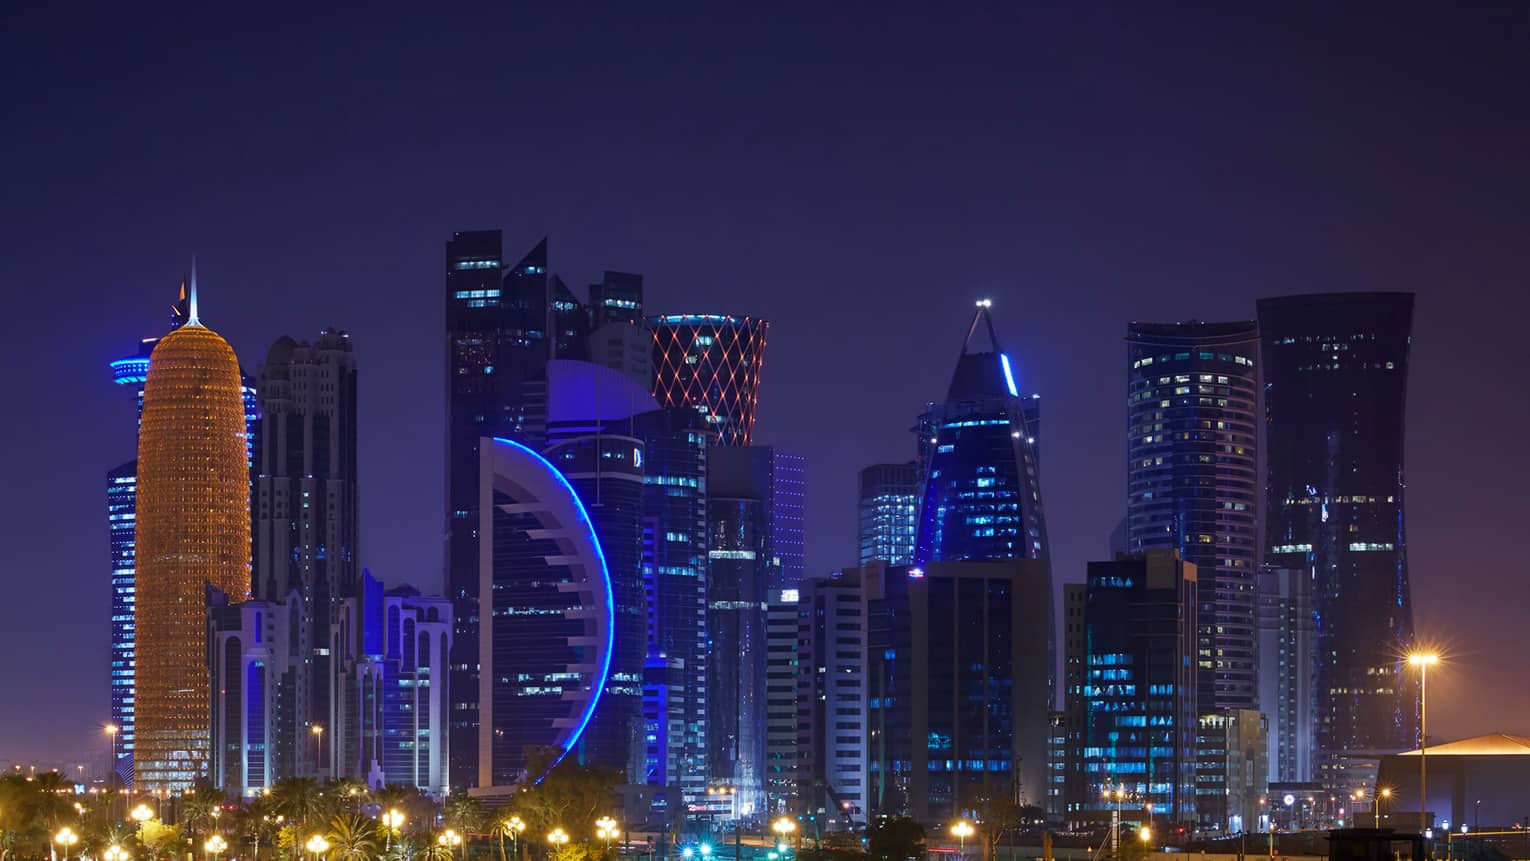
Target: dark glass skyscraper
711	363
1336	374
1140	694
1191	471
982	494
675	565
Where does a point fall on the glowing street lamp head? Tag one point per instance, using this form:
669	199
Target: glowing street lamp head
1423	659
111	729
962	829
316	729
1146	834
317	844
142	813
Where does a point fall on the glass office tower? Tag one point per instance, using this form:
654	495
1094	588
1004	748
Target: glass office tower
1336	380
888	512
1191	471
711	363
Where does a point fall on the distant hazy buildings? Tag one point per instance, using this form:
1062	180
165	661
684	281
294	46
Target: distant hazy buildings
711	363
547	636
193	528
1336	370
1140	691
1191	475
888	512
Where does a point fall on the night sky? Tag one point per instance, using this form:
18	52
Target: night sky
856	174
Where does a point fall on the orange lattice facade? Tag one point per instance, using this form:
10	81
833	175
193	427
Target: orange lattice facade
193	529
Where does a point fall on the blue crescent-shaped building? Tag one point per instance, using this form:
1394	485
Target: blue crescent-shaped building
546	617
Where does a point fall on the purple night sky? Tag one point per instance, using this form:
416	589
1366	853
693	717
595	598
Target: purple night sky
855	173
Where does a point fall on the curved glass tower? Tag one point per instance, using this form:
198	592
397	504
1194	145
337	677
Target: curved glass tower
1191	476
193	529
1336	378
982	494
546	635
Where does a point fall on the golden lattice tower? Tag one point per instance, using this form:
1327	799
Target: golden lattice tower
193	529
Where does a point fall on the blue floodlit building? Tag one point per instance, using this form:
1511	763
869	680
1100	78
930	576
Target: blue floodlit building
121	519
888	512
982	494
547	634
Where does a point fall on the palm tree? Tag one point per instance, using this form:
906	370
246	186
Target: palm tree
464	813
300	800
352	838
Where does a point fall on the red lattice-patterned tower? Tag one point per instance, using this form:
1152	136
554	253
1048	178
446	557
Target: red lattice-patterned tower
193	529
711	362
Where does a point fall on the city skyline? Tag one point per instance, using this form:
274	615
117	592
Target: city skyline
1061	301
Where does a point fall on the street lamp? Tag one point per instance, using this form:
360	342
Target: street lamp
142	813
962	829
318	845
558	837
216	844
392	821
66	838
116	853
605	829
1115	819
111	762
1423	660
515	825
1146	833
318	747
783	826
450	839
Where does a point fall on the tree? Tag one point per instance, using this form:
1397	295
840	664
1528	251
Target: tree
160	840
998	815
570	796
352	838
299	799
572	852
464	813
897	839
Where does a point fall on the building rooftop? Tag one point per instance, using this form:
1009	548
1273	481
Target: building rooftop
1492	744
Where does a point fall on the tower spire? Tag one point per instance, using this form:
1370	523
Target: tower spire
191	318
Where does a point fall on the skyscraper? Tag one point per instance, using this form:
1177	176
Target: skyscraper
888	512
711	363
592	440
1336	374
121	512
676	441
549	622
831	716
1140	700
982	496
1191	472
1287	663
307	525
193	528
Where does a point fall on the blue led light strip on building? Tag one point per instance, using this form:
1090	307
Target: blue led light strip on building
610	599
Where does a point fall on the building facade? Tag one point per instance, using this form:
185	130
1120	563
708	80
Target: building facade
307	527
785	707
1192	475
1232	773
711	363
548	632
1287	670
888	512
1140	690
958	687
192	528
832	721
1336	373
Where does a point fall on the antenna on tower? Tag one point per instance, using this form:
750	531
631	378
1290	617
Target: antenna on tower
191	317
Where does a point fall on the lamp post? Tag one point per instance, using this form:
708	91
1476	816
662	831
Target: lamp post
392	821
216	844
606	829
1423	660
515	825
1115	817
66	838
783	826
318	845
111	762
558	837
1146	834
450	839
1384	795
962	829
318	748
116	853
